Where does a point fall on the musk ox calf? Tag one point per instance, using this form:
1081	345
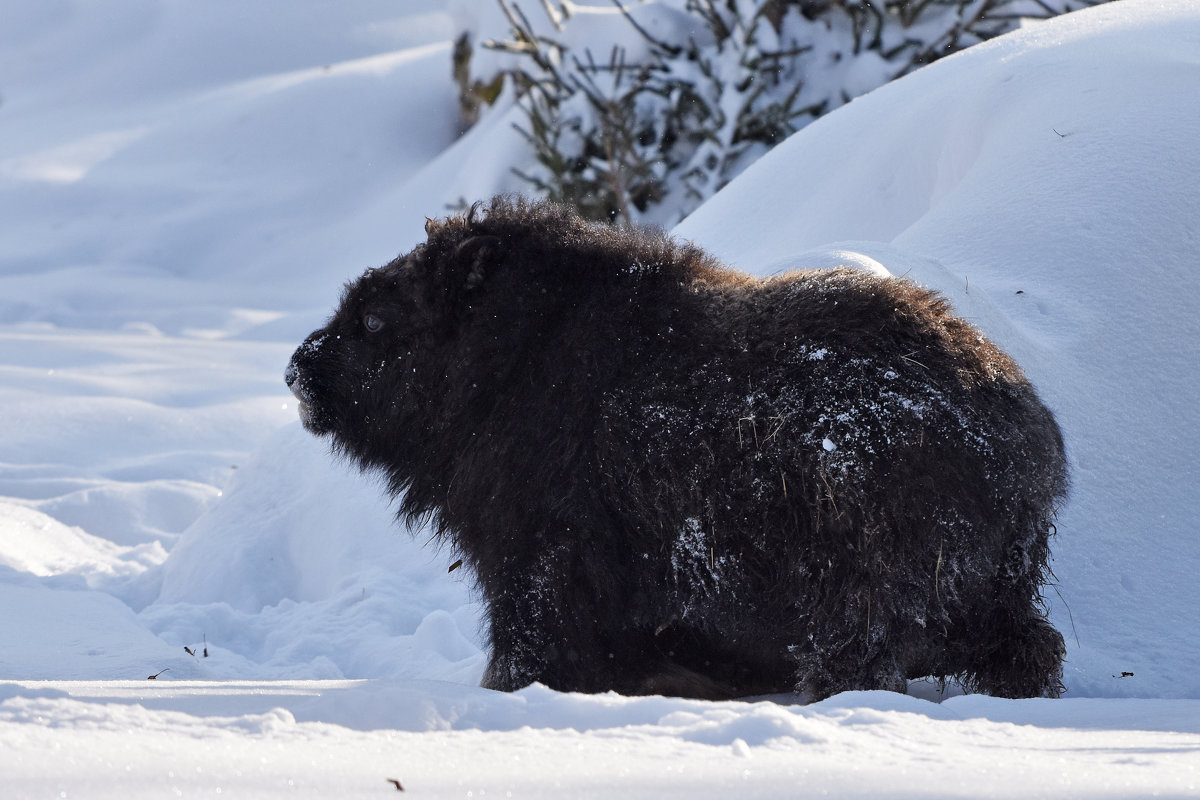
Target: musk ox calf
671	477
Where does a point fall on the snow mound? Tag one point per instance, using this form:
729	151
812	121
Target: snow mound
38	544
301	571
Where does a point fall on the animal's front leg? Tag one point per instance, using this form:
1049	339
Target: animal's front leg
544	627
528	642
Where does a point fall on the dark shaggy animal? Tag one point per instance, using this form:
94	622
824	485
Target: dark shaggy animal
674	478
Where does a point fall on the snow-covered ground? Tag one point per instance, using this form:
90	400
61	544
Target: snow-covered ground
183	189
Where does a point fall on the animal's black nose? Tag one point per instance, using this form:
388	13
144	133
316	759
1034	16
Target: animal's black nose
290	374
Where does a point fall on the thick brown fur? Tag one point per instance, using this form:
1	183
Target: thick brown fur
672	477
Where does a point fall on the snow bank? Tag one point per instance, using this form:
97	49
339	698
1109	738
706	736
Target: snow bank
171	164
302	572
869	745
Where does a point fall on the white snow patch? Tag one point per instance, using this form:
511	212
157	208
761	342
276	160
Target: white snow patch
69	162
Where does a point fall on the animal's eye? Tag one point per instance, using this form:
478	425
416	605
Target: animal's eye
372	323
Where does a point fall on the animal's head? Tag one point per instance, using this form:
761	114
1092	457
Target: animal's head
419	349
374	378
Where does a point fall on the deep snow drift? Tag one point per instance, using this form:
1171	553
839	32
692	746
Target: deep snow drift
184	189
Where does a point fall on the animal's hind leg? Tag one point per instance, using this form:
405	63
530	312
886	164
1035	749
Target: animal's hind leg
1016	656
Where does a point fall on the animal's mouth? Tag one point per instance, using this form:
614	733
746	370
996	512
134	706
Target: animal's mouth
312	420
308	416
305	411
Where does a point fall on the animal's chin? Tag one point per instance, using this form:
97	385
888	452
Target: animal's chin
312	422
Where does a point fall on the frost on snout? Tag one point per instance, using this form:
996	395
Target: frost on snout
299	378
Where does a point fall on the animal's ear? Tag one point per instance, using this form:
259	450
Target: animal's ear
473	255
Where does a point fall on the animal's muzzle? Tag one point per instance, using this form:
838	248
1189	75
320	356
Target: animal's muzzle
292	377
